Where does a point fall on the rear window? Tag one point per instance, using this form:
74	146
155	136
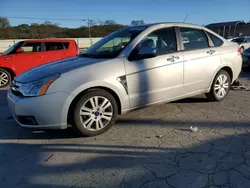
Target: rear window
53	46
217	41
66	45
193	39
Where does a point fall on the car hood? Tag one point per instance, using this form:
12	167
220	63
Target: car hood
61	67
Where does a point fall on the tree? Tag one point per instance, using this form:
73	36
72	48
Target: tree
4	22
100	23
49	23
110	22
137	22
34	25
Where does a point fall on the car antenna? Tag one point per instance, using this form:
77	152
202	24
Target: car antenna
185	18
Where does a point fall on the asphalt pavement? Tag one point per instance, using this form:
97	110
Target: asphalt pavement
149	148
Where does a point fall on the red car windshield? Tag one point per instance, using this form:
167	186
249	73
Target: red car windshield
13	48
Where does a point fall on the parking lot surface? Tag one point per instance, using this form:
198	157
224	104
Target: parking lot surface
149	148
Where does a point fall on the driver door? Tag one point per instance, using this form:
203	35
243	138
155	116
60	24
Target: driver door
30	57
155	79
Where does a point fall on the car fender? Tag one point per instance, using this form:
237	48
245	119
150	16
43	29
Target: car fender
216	72
116	88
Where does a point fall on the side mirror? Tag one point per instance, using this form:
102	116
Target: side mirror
19	50
147	52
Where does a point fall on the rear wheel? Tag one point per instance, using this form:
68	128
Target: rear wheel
220	87
95	112
5	78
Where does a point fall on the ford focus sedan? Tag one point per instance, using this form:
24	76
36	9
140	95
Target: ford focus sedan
128	69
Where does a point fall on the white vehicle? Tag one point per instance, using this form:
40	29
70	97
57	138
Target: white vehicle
244	42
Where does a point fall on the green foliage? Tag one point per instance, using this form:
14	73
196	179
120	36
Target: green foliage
52	30
4	22
137	22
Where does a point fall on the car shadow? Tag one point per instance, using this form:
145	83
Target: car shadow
114	165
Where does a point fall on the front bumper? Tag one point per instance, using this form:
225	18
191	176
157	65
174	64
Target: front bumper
47	110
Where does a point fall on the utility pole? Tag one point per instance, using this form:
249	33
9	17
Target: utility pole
88	20
89	31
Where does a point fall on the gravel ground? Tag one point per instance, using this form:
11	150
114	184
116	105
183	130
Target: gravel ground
148	148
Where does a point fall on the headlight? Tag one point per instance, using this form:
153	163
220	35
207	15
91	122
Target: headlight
38	87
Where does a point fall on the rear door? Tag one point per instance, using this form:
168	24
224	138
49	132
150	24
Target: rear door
54	51
201	59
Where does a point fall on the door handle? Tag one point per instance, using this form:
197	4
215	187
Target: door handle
8	58
210	52
173	58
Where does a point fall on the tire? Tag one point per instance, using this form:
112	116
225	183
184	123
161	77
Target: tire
88	123
5	78
216	87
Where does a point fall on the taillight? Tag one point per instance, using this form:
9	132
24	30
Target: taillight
77	49
239	50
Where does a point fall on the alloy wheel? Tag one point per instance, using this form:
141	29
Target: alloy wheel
96	113
4	79
221	86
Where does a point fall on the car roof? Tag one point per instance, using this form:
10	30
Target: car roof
49	40
180	24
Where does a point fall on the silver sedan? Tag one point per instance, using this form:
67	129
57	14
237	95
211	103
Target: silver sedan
128	69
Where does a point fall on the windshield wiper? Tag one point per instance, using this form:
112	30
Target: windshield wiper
87	55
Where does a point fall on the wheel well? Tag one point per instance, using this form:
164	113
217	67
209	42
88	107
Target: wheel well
10	71
229	71
73	103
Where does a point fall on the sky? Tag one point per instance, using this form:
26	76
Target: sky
200	12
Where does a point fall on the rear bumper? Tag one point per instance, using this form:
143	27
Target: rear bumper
47	110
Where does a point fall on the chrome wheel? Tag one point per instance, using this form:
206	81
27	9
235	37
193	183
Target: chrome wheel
4	79
96	113
221	86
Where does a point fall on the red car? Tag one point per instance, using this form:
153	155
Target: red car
28	54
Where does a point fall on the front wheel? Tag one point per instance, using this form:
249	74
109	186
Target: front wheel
95	112
5	78
220	87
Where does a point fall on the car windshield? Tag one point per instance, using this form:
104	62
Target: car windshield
13	48
112	45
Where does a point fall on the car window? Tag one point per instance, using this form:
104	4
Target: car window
163	40
66	45
239	40
248	39
217	41
193	39
113	44
53	46
32	47
12	49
